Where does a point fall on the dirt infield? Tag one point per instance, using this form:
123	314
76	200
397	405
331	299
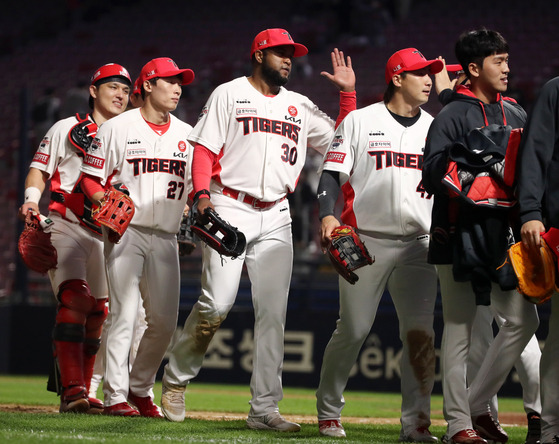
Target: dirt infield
506	419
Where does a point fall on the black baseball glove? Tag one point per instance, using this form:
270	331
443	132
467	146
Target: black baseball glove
219	234
185	238
347	252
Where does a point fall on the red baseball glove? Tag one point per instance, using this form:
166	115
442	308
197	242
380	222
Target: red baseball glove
347	252
34	245
115	212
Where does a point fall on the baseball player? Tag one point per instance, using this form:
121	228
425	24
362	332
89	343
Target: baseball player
375	157
250	147
484	55
135	101
145	150
79	280
539	208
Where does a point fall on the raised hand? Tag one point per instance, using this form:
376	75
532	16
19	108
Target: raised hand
343	77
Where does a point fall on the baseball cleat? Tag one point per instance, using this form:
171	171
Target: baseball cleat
145	406
74	400
95	406
172	402
332	428
467	436
489	428
121	409
534	428
421	434
272	421
80	405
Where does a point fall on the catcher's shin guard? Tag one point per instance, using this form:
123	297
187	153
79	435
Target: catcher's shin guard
75	302
93	329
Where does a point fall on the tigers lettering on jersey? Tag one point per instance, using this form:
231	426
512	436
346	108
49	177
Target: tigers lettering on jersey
385	159
259	124
170	166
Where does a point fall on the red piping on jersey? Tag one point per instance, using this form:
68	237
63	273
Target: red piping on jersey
348	215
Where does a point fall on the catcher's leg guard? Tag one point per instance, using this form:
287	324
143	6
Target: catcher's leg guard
93	329
75	302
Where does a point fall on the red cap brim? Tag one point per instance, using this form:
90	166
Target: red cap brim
454	67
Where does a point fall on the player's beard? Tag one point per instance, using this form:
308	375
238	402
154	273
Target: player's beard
272	76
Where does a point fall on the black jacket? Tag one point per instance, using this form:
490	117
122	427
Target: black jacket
453	220
538	169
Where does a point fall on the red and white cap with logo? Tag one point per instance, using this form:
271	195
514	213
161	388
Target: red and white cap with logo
165	67
409	59
109	71
276	37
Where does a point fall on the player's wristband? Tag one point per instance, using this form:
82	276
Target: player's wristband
204	193
33	195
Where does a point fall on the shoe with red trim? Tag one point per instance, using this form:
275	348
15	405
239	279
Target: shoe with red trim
489	428
467	436
95	406
332	428
145	406
120	409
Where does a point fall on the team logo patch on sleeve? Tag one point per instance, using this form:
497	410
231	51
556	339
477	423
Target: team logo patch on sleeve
95	162
335	156
41	158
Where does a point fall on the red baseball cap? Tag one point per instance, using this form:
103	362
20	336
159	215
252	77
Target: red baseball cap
137	86
276	37
409	59
165	67
454	67
111	70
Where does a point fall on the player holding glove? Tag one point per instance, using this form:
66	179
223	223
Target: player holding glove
78	281
145	150
538	182
376	156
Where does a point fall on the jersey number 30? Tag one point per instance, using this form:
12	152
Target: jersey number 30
289	154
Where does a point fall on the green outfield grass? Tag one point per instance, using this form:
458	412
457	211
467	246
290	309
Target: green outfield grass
25	425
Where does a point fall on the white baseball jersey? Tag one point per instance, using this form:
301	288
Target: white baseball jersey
57	157
155	168
380	161
261	130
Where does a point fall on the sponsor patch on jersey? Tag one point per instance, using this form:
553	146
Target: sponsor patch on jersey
335	156
41	158
203	112
292	111
95	162
182	146
134	152
245	111
380	144
96	144
133	142
44	143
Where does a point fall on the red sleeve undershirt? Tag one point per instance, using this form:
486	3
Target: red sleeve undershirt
91	185
202	163
348	103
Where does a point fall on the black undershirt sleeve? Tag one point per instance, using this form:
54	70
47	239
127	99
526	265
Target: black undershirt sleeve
328	190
